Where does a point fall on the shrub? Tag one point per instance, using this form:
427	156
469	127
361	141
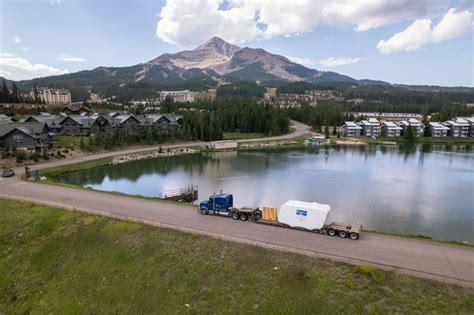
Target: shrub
20	155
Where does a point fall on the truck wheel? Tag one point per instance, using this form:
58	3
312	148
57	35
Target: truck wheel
353	236
203	211
243	217
332	232
342	234
235	215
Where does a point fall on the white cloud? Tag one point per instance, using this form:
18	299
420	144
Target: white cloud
303	61
421	32
25	48
18	68
70	58
55	3
189	23
17	39
334	62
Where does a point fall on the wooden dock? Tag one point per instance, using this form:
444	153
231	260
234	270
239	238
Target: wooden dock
185	194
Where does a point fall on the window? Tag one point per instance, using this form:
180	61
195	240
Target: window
18	138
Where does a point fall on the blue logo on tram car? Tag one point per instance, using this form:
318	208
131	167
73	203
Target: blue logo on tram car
301	213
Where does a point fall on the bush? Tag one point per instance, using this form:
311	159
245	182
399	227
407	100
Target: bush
20	155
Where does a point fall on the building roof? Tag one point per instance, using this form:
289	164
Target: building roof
414	122
352	125
32	129
438	126
371	122
5	118
459	122
53	121
392	126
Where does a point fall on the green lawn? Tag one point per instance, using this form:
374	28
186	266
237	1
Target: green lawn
57	261
54	172
238	135
69	141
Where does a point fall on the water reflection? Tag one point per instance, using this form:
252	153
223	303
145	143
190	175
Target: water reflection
411	189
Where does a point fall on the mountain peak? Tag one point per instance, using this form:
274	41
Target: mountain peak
220	46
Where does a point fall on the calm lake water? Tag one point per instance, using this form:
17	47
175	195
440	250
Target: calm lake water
426	190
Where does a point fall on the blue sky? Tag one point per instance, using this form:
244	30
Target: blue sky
429	42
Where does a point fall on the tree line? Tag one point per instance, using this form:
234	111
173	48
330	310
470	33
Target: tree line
14	96
208	120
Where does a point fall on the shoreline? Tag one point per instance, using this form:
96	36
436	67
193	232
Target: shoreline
53	173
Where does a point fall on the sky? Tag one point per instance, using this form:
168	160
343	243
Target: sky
398	41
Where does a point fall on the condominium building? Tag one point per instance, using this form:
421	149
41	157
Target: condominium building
438	130
458	127
53	96
390	129
416	126
351	129
470	121
371	127
177	96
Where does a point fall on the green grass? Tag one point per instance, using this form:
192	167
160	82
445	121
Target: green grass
58	261
238	135
69	141
421	237
255	135
54	172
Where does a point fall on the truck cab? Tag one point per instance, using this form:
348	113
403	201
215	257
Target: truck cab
217	203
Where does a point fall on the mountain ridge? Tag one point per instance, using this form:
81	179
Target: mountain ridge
204	67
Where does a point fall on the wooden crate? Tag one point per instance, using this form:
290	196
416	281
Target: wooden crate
269	213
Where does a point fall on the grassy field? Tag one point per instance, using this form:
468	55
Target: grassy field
53	172
69	141
57	261
238	135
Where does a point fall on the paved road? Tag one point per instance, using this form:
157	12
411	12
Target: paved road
423	258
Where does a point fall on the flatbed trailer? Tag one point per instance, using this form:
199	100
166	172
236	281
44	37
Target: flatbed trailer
255	215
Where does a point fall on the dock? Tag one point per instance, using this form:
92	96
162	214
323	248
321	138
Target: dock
185	194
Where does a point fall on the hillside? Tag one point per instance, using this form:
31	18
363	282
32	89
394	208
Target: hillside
197	69
204	67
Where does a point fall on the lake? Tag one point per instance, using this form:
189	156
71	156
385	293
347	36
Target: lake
418	190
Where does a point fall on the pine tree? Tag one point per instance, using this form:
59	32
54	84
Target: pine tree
15	94
409	136
82	145
5	92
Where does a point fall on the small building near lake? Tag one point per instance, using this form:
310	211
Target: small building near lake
222	145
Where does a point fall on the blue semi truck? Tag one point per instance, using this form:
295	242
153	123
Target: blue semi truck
223	204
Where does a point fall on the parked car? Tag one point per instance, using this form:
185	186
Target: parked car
8	172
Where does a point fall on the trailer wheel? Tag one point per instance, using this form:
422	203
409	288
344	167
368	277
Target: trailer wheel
203	211
235	215
342	234
332	232
243	217
353	236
